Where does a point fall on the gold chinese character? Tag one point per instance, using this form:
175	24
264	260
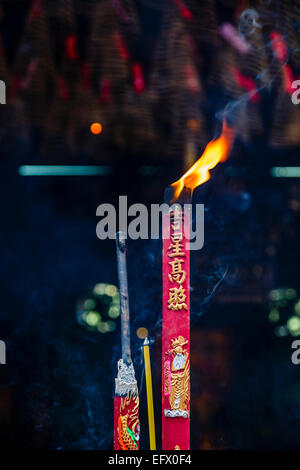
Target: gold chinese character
177	298
177	226
178	274
176	246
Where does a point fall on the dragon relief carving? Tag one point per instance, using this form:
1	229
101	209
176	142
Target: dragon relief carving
128	423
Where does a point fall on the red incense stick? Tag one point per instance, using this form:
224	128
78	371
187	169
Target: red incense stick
126	400
176	331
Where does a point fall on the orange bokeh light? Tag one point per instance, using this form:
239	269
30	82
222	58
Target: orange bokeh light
96	128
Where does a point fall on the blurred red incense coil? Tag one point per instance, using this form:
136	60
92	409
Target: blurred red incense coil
32	66
121	46
63	89
288	79
36	10
280	51
85	75
279	46
71	47
15	86
192	79
230	33
240	6
184	11
248	84
105	91
138	78
1	45
193	47
120	10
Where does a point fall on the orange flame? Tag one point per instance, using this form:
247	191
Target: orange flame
216	151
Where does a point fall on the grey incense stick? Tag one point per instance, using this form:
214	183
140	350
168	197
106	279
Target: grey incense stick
122	273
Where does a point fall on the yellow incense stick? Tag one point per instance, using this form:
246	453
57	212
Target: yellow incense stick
149	395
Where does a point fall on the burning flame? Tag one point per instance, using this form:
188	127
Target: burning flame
216	151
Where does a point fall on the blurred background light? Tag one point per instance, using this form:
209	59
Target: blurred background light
293	325
106	327
281	331
114	312
93	318
111	290
297	307
290	293
99	289
274	316
64	170
100	310
96	128
286	171
142	332
89	304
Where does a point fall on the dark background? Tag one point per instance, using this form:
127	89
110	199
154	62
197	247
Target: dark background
56	390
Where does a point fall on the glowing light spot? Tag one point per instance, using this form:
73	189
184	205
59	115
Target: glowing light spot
142	332
281	331
274	316
111	290
110	325
293	325
106	327
290	293
99	289
116	299
297	307
275	294
93	318
114	312
96	128
89	304
295	333
83	316
101	327
285	171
